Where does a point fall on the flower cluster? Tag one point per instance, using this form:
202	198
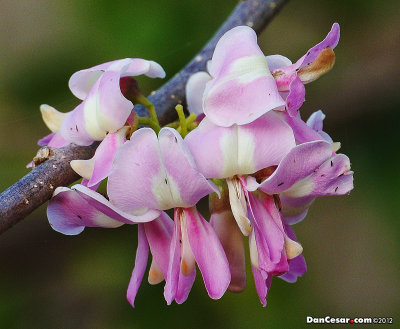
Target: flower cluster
247	149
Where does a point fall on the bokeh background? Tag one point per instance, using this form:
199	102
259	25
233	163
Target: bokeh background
351	243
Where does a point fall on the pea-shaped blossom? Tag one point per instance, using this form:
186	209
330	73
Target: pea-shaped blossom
159	173
242	84
150	174
290	78
242	88
266	149
104	107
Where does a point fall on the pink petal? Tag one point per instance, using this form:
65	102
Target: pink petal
333	177
300	162
331	41
131	183
296	96
69	213
173	275
194	91
82	81
277	61
231	239
242	88
263	283
139	66
297	266
269	236
101	204
240	149
46	139
186	183
106	109
104	156
209	253
185	284
302	131
159	235
73	128
295	210
142	254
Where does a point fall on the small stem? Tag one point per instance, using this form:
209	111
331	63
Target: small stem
149	122
182	120
174	124
141	99
191	118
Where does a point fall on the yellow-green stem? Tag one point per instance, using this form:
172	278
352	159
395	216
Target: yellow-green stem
149	122
141	99
182	120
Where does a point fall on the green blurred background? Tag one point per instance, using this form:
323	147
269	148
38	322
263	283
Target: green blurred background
351	243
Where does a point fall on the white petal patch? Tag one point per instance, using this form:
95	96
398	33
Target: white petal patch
83	168
238	205
246	148
301	188
253	250
105	221
51	117
237	148
166	191
248	69
293	248
91	121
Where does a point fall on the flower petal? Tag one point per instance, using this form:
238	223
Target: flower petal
51	117
302	131
240	149
137	173
142	254
237	200
161	183
105	108
297	266
277	61
295	210
231	239
82	81
296	96
100	203
187	185
331	41
194	91
263	283
139	66
333	177
300	162
242	88
173	275
69	213
73	128
104	155
269	236
209	253
185	284
159	235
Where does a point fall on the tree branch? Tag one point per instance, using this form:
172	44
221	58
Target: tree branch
37	187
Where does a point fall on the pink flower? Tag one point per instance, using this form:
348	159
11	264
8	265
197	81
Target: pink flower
161	174
104	108
243	84
151	174
302	173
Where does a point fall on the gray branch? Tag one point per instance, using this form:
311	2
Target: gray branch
37	187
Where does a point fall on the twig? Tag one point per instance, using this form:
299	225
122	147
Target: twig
37	187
